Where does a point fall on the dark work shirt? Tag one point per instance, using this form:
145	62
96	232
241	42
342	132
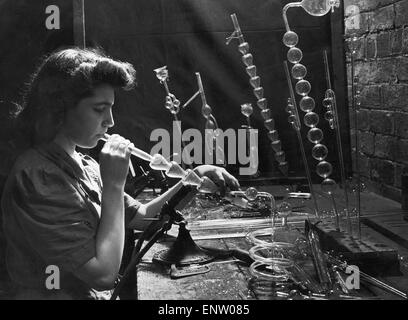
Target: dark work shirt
51	212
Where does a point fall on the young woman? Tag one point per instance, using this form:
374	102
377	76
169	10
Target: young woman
60	207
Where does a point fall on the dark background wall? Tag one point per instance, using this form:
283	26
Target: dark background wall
24	39
382	70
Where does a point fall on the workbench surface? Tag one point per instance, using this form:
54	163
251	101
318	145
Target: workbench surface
229	280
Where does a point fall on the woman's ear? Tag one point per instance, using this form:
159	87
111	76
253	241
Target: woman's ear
46	128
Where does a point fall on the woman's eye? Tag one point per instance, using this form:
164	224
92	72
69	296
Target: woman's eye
99	110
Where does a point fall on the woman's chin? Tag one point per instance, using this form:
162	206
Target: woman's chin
89	144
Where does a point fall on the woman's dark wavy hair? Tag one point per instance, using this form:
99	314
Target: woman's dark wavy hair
60	82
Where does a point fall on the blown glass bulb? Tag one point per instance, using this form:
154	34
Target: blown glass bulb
307	104
262	103
319	152
327	102
324	169
206	111
273	135
176	106
295	55
284	167
162	73
210	125
276	145
248	59
290	39
191	179
175	171
243	47
328	115
158	162
280	156
251	71
207	186
289	108
258	92
317	7
246	109
315	135
255	82
311	119
299	71
270	124
328	186
251	193
303	87
266	114
292	119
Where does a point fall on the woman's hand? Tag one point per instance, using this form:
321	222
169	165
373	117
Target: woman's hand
221	177
114	161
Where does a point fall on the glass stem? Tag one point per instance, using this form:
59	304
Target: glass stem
285	222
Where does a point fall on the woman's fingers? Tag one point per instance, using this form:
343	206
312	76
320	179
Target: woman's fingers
219	176
220	181
231	181
117	146
115	160
123	148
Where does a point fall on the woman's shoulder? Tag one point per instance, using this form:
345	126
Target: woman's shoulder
32	168
31	160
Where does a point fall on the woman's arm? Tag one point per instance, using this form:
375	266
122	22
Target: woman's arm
149	210
102	270
152	208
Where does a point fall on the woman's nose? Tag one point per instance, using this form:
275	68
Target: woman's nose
109	122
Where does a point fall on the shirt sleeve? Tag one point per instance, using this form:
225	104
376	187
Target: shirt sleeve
131	204
54	218
131	207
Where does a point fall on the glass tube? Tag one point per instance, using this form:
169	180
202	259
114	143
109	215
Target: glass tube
303	88
258	91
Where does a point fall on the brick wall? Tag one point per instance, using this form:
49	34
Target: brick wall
382	70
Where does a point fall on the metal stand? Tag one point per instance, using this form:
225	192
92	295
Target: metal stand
183	252
175	217
138	253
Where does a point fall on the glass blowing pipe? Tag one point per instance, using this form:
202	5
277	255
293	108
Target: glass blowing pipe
173	170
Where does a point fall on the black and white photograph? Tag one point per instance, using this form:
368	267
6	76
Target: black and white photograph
204	156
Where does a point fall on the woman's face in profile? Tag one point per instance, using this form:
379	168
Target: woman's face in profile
85	124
